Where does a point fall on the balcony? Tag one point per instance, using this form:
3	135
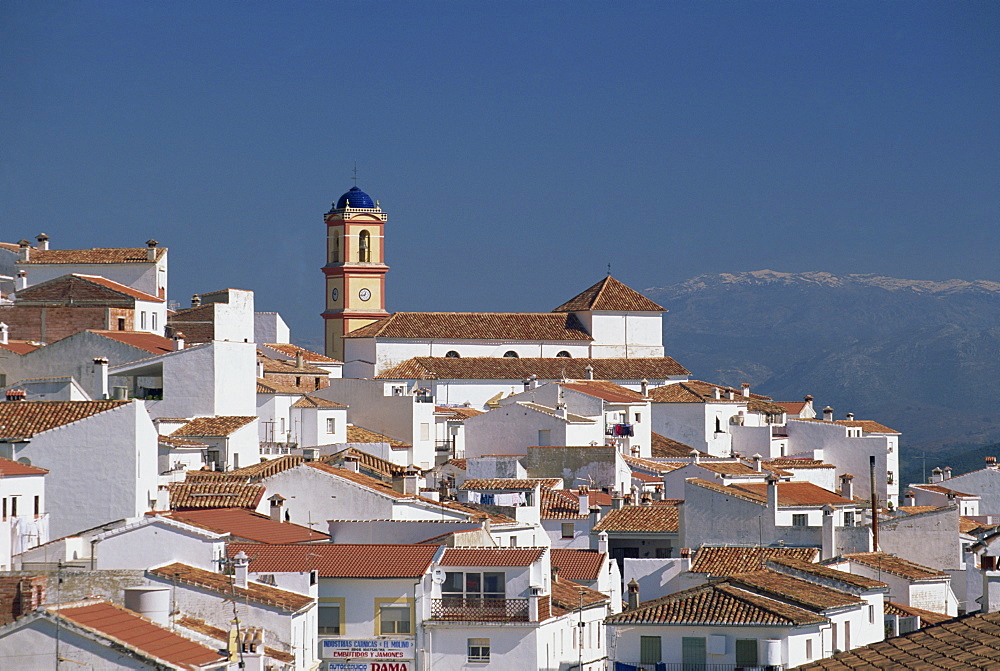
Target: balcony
475	609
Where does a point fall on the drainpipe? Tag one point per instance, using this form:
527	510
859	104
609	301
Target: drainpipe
871	470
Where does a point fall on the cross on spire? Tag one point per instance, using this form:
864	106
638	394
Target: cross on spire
355	178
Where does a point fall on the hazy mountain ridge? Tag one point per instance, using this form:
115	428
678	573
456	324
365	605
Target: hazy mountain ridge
920	356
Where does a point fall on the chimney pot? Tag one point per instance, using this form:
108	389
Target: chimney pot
828	414
195	301
746	389
4	329
589	371
633	594
43	241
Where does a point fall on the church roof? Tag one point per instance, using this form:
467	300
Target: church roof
610	294
476	326
556	368
355	198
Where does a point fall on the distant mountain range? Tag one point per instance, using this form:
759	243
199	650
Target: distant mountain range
922	357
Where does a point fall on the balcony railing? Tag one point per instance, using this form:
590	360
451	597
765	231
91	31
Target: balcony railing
475	609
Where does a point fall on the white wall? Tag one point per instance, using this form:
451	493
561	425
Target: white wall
146	277
146	544
26	530
269	327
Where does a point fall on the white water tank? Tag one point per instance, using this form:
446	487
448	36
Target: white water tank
151	602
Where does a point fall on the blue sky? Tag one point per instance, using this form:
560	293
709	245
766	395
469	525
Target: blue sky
517	147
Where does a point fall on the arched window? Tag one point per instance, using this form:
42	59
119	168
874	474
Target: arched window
564	354
510	354
335	251
364	247
452	354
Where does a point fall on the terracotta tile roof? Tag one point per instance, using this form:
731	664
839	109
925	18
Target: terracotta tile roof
82	290
791	407
19	346
717	604
651	466
578	565
359	434
340	560
967	642
251	473
375	466
555	368
457	463
799	592
9	468
367	481
307	355
474	513
247	524
792	463
661	446
149	342
610	294
199	495
139	634
316	402
940	489
696	391
794	493
560	504
570	417
490	556
893	565
725	561
457	413
737	493
808	566
288	367
926	616
95	255
967	526
915	510
865	425
487	484
476	326
181	442
730	468
640	519
197	324
604	390
272	387
213	426
223	585
566	596
23	419
221	635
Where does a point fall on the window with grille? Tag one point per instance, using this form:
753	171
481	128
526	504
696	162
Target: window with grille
479	649
800	520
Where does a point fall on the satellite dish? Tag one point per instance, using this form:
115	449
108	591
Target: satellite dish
437	575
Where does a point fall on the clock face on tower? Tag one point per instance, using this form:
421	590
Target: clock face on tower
335	294
364	294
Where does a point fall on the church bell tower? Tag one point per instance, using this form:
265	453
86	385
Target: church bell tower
355	268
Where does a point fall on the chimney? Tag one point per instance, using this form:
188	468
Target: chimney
410	487
646	499
909	499
849	417
746	390
179	345
617	502
299	361
555	573
16	394
277	507
807	411
991	462
584	496
658	493
602	542
526	384
595	515
990	601
589	372
533	381
645	387
195	301
534	597
151	250
847	486
561	410
4	330
100	378
936	475
695	456
24	251
731	394
717	392
43	241
22	280
772	494
685	559
829	542
241	563
633	594
351	463
946	473
828	414
758	463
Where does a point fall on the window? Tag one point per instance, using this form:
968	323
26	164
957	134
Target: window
800	520
364	247
746	652
888	477
513	541
693	651
871	614
394	619
152	316
474	585
567	529
848	519
479	649
38	511
331	616
650	650
5	509
331	425
510	354
121	323
452	354
298	380
335	250
564	355
13	506
142	320
544	437
809	648
638	417
847	636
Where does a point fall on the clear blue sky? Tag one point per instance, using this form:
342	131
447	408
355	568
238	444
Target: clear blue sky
518	147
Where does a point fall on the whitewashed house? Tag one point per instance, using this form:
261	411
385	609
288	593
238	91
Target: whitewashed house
909	583
24	522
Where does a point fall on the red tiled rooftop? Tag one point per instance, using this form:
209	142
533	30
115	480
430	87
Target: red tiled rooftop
340	560
721	561
209	494
246	524
568	596
486	484
491	556
610	295
866	425
578	565
554	368
19	346
133	630
307	355
23	419
150	342
9	468
95	255
604	390
650	519
805	594
476	326
661	446
225	586
214	426
893	565
794	493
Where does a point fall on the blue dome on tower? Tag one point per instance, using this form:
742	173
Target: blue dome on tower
355	198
